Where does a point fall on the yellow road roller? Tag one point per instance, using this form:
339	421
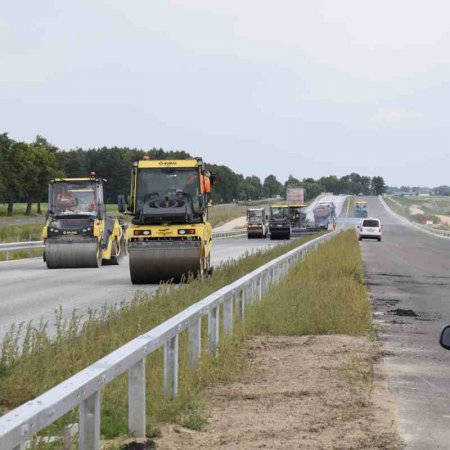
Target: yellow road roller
77	232
170	237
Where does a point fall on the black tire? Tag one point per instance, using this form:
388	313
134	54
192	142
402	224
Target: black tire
360	239
379	239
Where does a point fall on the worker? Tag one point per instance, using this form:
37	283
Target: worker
65	200
334	224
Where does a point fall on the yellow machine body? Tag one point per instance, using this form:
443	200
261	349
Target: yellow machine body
170	237
77	232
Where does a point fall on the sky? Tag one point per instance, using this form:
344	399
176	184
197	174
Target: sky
308	88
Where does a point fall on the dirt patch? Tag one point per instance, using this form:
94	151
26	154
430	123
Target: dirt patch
304	392
444	219
414	210
240	222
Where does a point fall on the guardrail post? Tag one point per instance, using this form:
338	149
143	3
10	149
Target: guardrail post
195	342
260	287
30	250
136	399
90	422
241	303
171	367
228	314
213	330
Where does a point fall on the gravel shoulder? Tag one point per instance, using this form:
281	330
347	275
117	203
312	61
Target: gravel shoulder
309	392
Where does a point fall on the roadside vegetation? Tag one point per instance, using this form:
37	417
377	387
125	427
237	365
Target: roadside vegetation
322	295
32	359
420	209
349	206
20	233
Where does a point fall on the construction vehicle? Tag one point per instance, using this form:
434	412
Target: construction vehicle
257	226
360	209
77	232
295	196
280	222
324	213
170	237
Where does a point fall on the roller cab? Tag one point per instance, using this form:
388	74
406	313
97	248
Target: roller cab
170	238
280	222
77	232
257	226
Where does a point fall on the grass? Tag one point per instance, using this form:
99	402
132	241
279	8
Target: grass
220	214
349	206
401	206
431	206
20	233
32	361
323	294
19	210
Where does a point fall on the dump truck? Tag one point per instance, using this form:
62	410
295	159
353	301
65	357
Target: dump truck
324	213
295	196
360	209
77	232
280	222
170	237
257	226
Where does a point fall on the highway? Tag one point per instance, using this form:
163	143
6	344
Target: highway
408	275
29	291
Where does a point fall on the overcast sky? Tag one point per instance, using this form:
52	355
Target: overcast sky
304	87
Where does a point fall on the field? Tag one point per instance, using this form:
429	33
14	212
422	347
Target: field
419	209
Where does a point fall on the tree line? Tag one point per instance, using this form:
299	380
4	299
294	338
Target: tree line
25	169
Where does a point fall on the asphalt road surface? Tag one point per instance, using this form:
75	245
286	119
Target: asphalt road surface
408	274
29	291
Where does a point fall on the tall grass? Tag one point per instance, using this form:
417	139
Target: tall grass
324	294
20	233
32	361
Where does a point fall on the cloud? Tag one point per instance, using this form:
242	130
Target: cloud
396	115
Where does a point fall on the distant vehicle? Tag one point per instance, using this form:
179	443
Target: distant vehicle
280	223
370	228
360	209
324	213
257	226
295	196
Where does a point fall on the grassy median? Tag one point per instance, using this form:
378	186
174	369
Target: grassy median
31	361
323	294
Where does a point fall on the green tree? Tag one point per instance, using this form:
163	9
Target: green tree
12	170
272	187
378	186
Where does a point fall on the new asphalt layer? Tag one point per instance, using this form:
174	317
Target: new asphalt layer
408	275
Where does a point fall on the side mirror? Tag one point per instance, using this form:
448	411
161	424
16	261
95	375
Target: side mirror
121	204
267	216
213	179
445	338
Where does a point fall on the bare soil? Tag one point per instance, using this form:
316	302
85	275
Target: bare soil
415	210
308	392
239	222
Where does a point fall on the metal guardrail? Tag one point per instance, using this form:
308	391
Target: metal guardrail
30	245
440	233
13	246
83	390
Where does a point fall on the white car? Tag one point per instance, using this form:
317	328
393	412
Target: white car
370	228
